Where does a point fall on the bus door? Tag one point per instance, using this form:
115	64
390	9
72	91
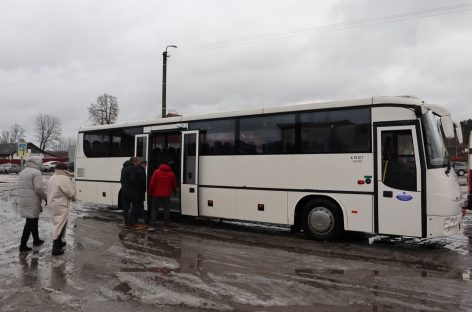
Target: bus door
141	151
189	173
164	148
399	204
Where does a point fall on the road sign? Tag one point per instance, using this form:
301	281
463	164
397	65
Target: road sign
22	149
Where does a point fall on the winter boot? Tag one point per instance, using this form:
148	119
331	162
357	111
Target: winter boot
24	248
62	244
56	248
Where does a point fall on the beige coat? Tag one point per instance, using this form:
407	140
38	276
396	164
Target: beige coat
60	192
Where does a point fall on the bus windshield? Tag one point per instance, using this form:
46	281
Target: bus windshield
435	148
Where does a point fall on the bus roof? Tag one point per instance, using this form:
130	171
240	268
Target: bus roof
380	100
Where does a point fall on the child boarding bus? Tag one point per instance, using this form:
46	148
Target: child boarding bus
376	165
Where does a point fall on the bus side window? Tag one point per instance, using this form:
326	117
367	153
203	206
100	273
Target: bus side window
398	160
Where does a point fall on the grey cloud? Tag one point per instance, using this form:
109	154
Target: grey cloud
61	55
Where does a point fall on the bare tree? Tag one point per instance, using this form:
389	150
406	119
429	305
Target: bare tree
48	130
105	111
5	137
15	134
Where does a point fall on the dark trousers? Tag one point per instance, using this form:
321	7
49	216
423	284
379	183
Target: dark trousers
139	212
31	227
129	209
163	202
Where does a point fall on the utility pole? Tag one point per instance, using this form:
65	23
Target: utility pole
165	55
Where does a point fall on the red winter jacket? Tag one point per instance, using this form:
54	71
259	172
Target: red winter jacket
163	182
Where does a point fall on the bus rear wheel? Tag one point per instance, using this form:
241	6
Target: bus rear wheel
322	220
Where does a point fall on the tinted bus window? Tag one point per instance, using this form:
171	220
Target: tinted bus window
111	143
337	131
217	137
267	135
97	144
122	142
398	160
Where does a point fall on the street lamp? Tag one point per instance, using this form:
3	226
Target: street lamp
165	55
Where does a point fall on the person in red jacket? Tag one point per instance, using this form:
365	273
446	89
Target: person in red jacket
161	186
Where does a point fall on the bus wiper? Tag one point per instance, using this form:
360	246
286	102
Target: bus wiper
448	170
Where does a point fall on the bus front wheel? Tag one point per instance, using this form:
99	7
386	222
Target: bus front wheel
322	220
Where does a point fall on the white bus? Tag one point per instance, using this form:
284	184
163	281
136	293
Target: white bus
469	196
375	165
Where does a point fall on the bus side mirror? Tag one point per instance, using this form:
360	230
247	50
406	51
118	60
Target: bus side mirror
458	128
448	127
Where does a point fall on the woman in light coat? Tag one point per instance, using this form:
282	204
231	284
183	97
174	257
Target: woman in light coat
60	192
31	192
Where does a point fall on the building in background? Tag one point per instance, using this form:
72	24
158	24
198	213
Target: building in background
9	153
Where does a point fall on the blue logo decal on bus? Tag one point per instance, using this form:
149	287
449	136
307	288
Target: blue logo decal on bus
404	196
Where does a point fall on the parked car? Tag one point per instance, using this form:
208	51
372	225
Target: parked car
49	165
10	168
460	168
70	166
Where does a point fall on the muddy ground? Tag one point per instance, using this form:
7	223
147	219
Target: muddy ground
207	265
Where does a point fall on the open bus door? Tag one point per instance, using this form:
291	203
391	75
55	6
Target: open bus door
165	148
141	152
469	197
399	204
189	173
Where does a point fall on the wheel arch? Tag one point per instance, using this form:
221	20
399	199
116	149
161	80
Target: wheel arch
298	212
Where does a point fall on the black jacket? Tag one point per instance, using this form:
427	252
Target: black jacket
129	185
141	182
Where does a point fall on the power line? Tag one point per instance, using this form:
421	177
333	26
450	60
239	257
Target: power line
260	38
458	8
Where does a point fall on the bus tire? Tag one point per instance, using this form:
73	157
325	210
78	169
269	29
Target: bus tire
322	220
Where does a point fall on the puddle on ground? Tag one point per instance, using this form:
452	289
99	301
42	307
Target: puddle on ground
459	243
232	266
459	274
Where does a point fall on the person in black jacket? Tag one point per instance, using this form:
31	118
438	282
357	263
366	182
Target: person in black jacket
129	191
141	194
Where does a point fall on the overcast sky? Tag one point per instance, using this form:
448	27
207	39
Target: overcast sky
57	56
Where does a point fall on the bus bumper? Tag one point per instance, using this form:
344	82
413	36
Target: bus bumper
441	226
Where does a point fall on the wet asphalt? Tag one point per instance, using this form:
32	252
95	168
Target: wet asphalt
230	266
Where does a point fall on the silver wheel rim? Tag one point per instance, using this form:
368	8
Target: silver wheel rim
321	220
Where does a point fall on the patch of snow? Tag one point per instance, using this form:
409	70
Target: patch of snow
63	299
145	289
144	259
